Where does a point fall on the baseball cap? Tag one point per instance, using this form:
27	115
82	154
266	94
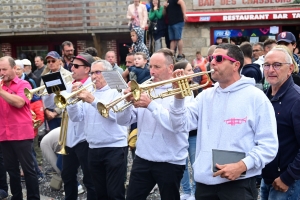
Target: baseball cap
286	37
26	62
86	58
53	54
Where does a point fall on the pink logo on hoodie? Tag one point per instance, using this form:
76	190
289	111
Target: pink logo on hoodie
234	121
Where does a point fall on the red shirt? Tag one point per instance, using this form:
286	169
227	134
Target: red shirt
15	123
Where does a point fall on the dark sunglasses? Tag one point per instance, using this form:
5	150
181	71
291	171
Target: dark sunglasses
220	58
51	61
77	66
96	72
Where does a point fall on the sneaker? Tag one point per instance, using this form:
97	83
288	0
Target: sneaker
40	178
179	57
155	188
192	197
3	194
50	172
185	196
80	190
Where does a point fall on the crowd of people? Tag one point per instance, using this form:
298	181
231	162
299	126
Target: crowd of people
240	132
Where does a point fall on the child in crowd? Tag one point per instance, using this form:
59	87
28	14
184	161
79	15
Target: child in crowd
140	72
138	45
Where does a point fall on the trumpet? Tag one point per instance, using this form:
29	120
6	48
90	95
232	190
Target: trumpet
36	122
104	109
63	133
61	101
40	90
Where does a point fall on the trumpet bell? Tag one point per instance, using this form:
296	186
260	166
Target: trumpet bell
103	110
60	101
62	151
28	94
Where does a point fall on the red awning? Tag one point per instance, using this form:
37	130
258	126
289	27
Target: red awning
247	15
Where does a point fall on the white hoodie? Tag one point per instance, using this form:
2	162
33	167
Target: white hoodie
157	141
237	118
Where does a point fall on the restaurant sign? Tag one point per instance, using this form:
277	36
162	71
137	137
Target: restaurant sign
217	4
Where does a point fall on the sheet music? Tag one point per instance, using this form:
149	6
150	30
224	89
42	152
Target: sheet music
114	80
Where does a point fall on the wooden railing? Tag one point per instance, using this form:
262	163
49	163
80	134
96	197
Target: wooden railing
19	17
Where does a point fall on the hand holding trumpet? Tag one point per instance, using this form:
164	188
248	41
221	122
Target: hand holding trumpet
142	102
84	95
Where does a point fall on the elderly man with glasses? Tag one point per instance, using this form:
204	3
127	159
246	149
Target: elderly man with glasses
233	118
52	112
281	176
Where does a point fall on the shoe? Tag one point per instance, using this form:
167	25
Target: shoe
179	57
50	172
40	178
155	188
22	179
185	196
80	190
192	197
3	194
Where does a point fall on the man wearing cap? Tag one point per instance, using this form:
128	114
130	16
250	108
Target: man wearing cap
288	39
52	112
76	144
107	140
27	70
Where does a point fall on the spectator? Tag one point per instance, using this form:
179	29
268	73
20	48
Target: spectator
157	20
129	63
67	54
39	63
224	40
254	132
27	70
258	50
250	70
176	12
288	39
140	73
138	16
218	40
138	45
233	41
92	51
110	56
281	177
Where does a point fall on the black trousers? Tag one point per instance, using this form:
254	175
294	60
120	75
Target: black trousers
3	181
244	189
107	166
77	156
13	153
145	174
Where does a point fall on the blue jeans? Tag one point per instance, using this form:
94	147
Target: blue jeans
267	192
185	181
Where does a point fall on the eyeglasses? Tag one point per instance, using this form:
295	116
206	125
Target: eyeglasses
51	61
275	65
71	50
220	58
256	50
96	72
76	65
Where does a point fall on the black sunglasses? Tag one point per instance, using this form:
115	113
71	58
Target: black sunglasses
77	66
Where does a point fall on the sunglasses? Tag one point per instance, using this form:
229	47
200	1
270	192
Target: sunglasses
220	58
51	61
77	66
96	72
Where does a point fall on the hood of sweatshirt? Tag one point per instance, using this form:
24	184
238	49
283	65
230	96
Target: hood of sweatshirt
252	71
238	85
139	32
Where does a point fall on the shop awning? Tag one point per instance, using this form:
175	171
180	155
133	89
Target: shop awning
247	15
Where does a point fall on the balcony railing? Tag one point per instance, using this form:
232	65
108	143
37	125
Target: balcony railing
20	17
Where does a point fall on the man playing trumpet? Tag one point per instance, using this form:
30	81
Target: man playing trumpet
107	140
160	152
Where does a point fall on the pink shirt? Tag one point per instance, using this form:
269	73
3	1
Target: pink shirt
16	123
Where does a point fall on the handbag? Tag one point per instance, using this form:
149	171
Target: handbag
152	26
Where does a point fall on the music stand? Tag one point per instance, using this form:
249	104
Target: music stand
114	80
54	82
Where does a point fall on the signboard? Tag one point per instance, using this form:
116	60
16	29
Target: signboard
243	16
217	4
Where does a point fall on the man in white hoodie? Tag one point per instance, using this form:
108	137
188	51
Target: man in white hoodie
160	151
232	116
107	141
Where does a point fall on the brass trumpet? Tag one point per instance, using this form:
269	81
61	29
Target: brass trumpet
61	101
36	122
104	109
185	89
40	90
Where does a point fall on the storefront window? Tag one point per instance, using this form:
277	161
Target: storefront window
240	35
